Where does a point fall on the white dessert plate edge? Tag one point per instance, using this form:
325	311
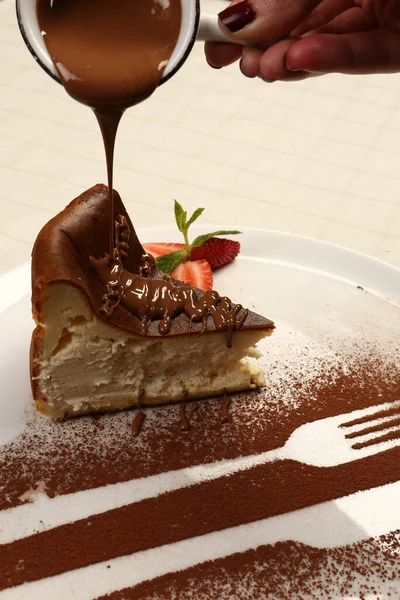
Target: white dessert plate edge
265	245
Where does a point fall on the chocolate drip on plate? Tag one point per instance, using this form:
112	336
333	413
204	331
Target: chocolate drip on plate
224	416
140	417
184	421
187	415
138	423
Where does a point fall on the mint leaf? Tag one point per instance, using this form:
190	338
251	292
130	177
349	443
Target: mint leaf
195	216
180	216
169	262
202	239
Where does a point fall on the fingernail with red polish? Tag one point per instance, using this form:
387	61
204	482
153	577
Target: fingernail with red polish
237	16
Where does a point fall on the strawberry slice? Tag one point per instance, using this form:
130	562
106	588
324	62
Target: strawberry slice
159	249
217	252
197	273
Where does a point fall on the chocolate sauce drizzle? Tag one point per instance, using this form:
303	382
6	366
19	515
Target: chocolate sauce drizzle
152	299
110	56
184	421
138	423
186	417
140	417
224	415
109	122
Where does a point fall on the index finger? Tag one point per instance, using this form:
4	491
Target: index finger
219	54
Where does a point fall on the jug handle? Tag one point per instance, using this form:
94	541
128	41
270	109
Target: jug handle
209	30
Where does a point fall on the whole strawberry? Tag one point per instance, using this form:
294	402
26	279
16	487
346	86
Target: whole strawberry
193	262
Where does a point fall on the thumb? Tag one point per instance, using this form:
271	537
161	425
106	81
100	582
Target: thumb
255	21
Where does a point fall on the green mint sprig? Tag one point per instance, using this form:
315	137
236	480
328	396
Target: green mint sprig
169	262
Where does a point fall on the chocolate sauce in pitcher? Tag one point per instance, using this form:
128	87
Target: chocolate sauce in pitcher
110	55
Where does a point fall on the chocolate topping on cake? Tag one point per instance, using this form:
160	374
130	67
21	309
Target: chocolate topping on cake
150	299
127	291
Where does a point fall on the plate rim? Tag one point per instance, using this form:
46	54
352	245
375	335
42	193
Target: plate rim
21	277
331	259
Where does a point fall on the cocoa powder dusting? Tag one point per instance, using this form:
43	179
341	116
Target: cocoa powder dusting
388	437
67	457
392	422
54	453
394	412
285	571
190	512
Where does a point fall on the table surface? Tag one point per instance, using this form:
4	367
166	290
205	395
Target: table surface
319	158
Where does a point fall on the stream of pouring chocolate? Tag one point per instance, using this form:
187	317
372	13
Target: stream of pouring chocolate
110	56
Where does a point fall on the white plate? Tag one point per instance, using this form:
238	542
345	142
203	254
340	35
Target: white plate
304	285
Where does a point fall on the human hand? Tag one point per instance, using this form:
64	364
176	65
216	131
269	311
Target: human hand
315	37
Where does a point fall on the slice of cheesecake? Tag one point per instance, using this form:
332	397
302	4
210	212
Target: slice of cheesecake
114	332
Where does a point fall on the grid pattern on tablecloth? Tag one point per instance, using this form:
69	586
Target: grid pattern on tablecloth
318	158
